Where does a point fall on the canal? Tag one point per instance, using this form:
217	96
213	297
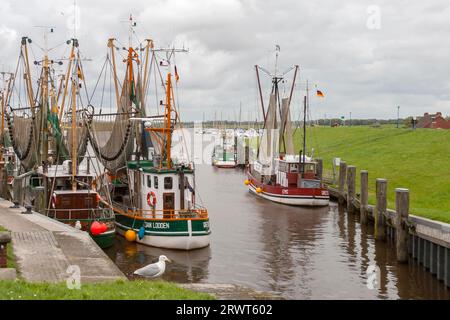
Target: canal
300	253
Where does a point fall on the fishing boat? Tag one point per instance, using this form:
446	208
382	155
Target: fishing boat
279	174
224	154
49	137
153	196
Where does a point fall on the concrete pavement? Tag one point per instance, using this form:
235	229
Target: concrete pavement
45	248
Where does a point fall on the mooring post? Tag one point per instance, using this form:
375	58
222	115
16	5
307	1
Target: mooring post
364	196
342	175
381	206
351	175
319	168
402	209
5	238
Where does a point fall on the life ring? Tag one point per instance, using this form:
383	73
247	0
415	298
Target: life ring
151	199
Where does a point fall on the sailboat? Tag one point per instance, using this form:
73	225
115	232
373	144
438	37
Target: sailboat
153	196
278	174
51	144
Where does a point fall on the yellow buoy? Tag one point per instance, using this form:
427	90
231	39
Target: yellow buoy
246	182
258	190
130	235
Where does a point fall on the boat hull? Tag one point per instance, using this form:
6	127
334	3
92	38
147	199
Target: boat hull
284	196
185	234
224	164
105	240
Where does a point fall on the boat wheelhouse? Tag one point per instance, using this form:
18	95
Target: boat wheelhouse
293	183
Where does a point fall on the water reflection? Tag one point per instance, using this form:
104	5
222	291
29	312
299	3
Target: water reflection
302	253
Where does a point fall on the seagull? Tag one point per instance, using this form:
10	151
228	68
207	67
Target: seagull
155	269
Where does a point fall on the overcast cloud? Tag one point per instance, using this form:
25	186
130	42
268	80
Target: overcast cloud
364	70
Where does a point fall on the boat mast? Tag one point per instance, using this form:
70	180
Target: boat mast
28	76
168	129
44	107
71	58
74	127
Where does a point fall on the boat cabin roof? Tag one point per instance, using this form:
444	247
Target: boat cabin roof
147	166
63	192
61	171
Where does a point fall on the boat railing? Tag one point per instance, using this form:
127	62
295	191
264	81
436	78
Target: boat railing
195	212
74	214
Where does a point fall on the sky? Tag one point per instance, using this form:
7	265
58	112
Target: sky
367	57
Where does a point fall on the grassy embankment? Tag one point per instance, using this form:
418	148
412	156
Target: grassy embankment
418	160
118	290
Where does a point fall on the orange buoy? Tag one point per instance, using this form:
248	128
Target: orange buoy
130	235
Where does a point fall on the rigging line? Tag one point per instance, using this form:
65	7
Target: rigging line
95	87
150	71
83	75
156	84
176	97
54	182
57	46
103	89
14	78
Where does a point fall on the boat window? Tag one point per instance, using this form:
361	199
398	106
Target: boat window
168	183
294	167
155	182
149	181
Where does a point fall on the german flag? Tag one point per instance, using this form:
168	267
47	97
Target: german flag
177	77
320	94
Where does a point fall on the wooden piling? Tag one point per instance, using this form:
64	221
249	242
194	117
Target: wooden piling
381	207
319	168
351	175
402	209
364	196
342	175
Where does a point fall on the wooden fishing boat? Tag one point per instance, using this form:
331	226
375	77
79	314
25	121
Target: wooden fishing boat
278	174
49	137
78	207
152	196
225	153
160	206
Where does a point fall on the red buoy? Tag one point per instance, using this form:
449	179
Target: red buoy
96	228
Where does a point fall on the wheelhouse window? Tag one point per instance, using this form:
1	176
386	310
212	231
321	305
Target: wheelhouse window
168	182
155	182
149	181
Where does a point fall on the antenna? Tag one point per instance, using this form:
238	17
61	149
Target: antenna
74	19
277	49
46	30
131	25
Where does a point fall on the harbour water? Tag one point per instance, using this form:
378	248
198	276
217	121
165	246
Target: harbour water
299	253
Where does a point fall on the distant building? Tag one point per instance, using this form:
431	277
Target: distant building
433	121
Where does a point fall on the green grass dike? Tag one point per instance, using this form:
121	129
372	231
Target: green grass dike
415	159
118	290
